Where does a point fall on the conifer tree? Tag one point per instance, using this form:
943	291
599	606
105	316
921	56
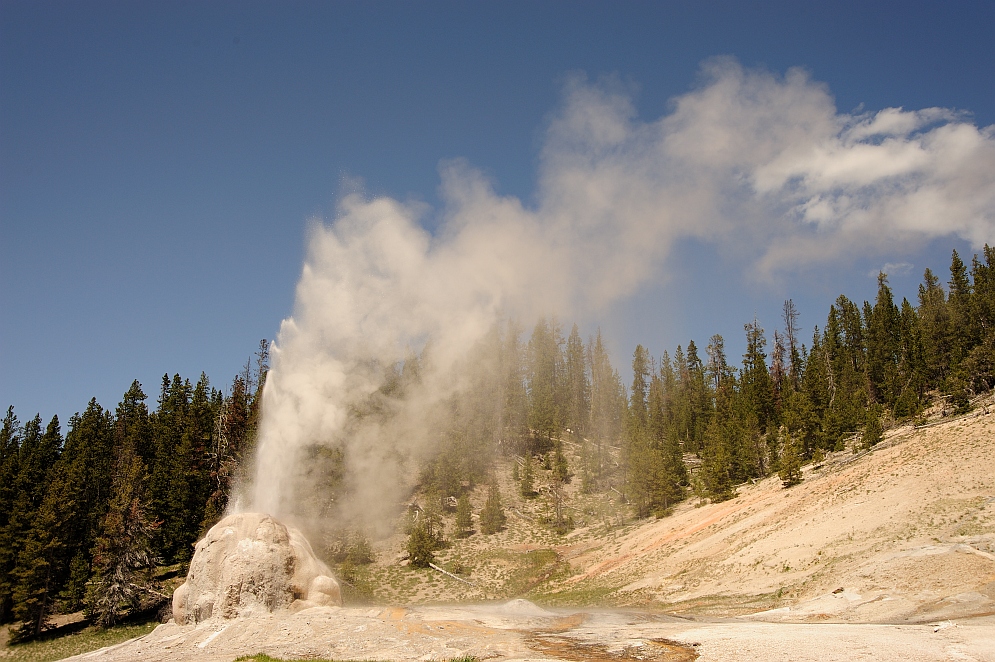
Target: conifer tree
464	517
543	381
421	545
169	484
718	457
360	552
815	388
37	453
883	346
526	486
757	452
791	466
432	519
676	402
560	467
638	463
132	424
934	318
10	534
983	296
230	442
697	395
492	517
514	413
843	347
38	569
82	486
607	410
873	431
979	366
911	370
780	381
661	470
793	346
43	561
588	468
122	556
801	420
963	334
578	384
262	370
756	389
640	386
716	465
194	459
717	370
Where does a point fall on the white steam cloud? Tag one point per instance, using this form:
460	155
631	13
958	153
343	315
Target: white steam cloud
757	161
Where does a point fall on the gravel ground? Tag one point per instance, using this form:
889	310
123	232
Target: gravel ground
522	631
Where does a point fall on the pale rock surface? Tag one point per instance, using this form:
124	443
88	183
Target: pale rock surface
250	564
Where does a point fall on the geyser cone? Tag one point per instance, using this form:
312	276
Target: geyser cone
250	564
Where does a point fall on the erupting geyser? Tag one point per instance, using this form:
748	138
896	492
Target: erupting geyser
761	165
250	564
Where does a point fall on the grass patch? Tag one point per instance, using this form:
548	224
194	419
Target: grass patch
971	529
533	569
66	641
580	597
727	605
359	587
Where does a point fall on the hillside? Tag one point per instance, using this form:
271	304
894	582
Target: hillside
884	555
907	531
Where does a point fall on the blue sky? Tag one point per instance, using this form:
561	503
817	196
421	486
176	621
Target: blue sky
159	162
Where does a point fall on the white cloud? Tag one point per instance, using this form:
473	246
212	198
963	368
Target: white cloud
892	269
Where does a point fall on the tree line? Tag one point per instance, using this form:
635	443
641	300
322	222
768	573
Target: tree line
787	402
85	519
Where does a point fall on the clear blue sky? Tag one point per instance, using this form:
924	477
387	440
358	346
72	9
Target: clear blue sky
159	161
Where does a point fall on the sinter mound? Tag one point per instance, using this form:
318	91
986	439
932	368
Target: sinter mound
250	564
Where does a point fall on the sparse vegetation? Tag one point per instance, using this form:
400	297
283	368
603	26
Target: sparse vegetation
74	639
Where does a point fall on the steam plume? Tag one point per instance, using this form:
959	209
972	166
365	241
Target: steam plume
748	157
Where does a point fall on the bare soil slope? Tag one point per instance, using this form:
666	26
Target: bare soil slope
904	533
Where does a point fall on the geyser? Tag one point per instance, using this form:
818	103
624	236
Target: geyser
762	164
250	564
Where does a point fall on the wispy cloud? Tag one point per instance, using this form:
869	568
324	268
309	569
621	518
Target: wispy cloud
892	269
766	164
